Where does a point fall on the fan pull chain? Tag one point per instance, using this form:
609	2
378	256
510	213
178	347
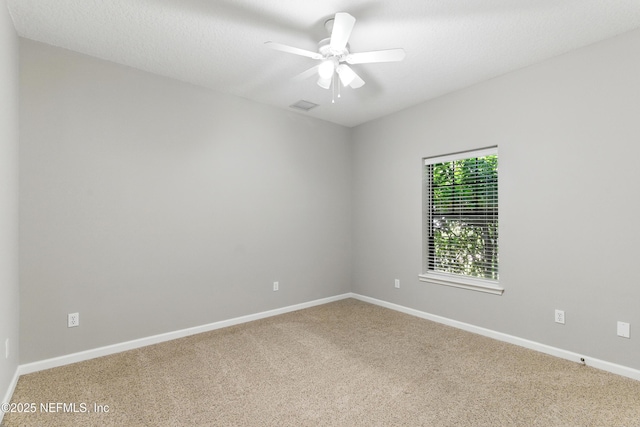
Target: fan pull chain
333	90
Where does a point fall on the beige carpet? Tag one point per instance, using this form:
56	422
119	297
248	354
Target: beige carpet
346	363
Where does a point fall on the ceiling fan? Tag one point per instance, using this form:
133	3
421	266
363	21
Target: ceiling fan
334	55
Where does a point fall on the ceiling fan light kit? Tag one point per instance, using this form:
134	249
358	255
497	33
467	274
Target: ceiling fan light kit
333	52
327	68
324	83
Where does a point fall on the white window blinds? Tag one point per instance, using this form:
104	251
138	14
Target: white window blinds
462	214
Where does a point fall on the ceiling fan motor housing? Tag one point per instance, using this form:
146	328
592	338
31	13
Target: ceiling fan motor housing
324	47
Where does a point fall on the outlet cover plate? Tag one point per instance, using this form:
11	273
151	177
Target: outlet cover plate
73	320
560	316
623	329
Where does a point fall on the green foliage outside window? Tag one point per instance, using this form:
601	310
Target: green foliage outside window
463	209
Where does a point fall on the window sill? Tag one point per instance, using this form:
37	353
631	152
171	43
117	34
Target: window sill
473	284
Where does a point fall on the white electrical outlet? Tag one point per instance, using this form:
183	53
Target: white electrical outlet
560	316
623	329
6	348
397	284
73	320
276	286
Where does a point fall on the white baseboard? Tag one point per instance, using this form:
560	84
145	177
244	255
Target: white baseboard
10	390
155	339
532	345
142	342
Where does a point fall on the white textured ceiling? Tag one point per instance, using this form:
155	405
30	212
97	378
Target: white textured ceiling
219	44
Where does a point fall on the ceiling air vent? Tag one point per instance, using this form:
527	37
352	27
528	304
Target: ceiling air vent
303	105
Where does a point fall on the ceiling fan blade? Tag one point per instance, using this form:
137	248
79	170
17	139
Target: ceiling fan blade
313	71
389	55
324	83
342	25
348	77
289	49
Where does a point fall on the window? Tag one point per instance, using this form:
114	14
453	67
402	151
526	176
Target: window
460	230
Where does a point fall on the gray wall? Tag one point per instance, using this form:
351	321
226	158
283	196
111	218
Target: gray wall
149	205
9	290
568	135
